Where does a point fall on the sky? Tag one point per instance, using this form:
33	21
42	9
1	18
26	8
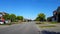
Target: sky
29	8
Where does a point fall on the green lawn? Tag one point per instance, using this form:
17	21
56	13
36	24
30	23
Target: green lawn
53	22
47	26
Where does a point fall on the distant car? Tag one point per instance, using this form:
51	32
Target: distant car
1	22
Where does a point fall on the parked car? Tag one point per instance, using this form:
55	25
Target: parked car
6	21
1	22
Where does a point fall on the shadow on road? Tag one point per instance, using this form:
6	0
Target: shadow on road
48	32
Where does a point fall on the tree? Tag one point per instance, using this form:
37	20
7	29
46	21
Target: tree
19	18
12	17
49	19
41	17
6	16
37	19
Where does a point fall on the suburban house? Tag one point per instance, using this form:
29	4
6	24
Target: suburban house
56	15
1	15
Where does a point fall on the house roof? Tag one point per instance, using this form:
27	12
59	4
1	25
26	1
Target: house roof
3	13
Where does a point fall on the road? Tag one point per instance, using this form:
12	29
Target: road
25	28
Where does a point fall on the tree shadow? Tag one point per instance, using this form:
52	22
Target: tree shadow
48	32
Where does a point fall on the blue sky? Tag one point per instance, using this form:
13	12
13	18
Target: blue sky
29	8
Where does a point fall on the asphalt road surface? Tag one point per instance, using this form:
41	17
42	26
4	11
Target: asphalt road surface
25	28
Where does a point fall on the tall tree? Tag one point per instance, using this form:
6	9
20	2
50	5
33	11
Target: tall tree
12	17
41	17
49	19
6	16
19	18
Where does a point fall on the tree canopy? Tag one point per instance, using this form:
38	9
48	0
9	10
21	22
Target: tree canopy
40	17
12	17
6	17
19	17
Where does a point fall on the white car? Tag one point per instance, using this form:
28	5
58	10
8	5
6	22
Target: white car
1	22
6	21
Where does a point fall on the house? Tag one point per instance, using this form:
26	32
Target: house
1	16
56	15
